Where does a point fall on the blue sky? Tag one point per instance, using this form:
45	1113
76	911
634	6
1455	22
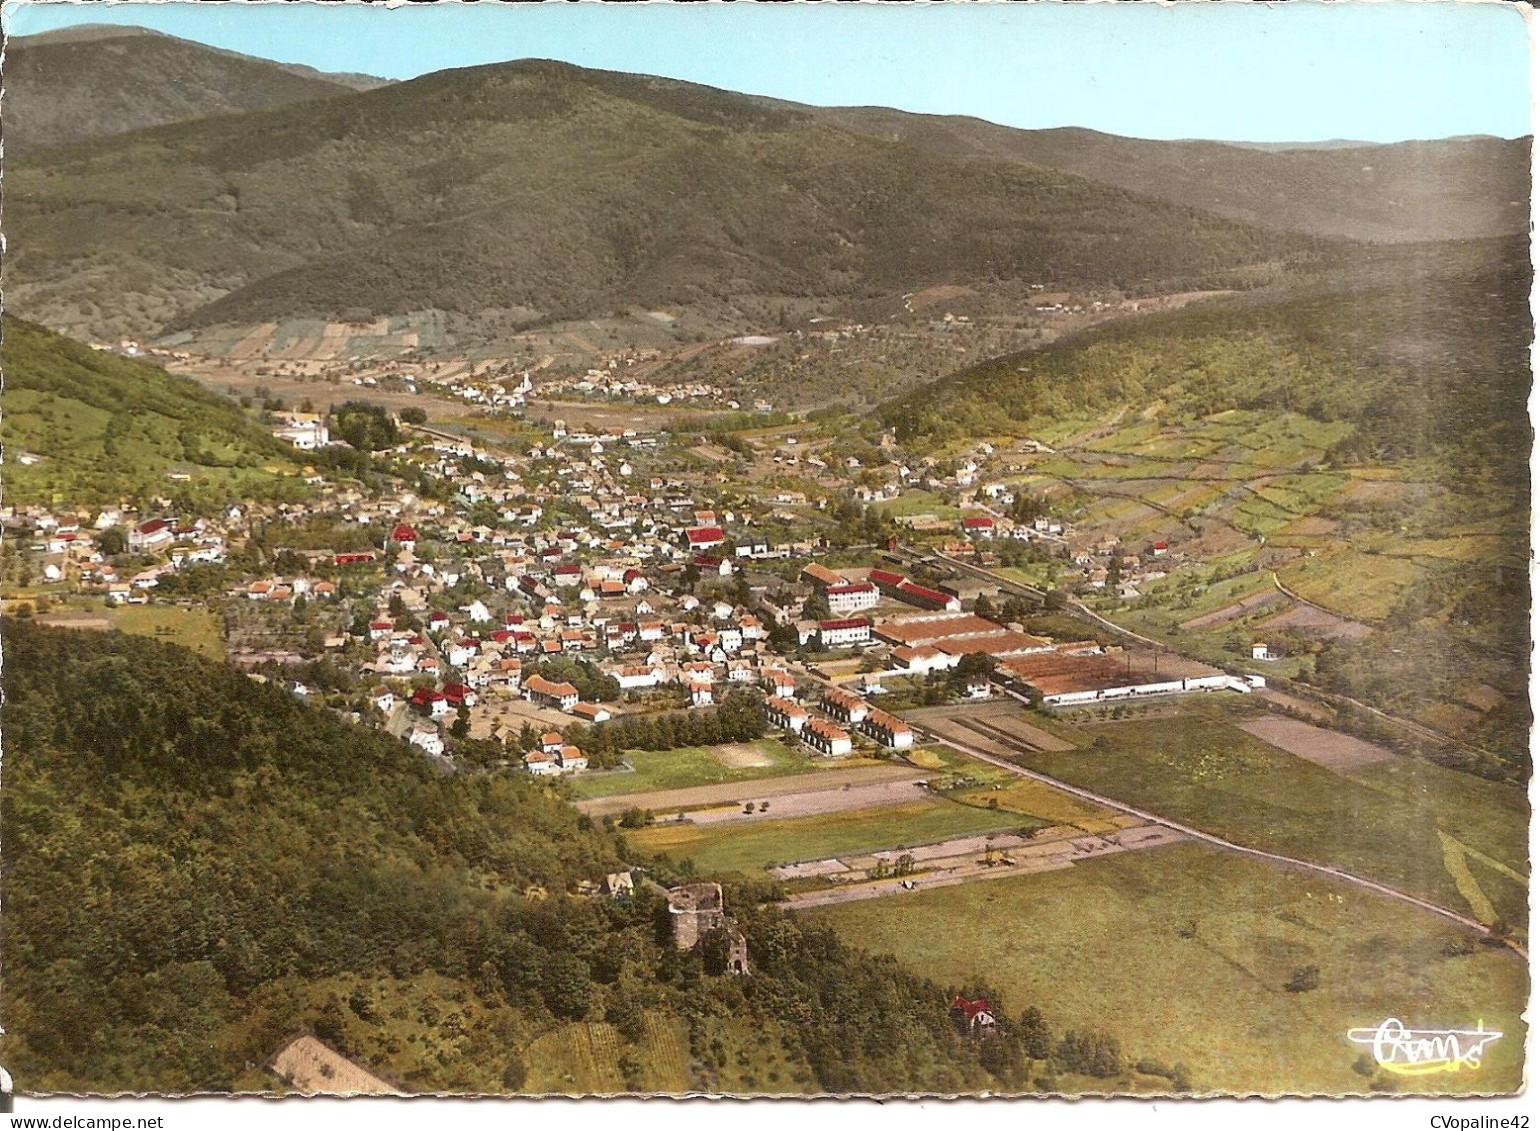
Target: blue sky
1301	71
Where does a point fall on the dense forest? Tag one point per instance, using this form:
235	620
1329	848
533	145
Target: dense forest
198	866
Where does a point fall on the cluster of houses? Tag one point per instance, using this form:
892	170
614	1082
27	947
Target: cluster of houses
841	712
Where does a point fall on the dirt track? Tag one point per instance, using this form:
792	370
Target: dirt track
730	793
812	803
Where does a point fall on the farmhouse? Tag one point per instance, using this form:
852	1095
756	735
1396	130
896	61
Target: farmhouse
541	764
149	535
973	1018
592	712
560	695
821	577
704	537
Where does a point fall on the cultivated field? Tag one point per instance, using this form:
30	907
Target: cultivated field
729	847
1183	954
1001	727
1329	748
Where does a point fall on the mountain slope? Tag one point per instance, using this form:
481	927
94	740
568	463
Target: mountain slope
1424	348
559	191
1456	188
108	428
198	866
90	82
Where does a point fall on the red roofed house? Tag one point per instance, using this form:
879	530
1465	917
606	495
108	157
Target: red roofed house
842	633
704	537
844	706
148	535
593	712
458	693
541	690
404	535
888	729
541	764
972	1017
785	714
429	702
826	738
981	525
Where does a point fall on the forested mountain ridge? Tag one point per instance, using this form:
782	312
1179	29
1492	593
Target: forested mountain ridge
545	188
197	866
83	83
1403	192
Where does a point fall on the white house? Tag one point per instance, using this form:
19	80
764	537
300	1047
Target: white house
429	740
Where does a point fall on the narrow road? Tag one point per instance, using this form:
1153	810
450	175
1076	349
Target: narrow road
1219	842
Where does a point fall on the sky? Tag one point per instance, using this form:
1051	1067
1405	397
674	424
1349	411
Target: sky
1301	71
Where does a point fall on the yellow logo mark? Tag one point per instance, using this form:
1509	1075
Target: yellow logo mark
1422	1052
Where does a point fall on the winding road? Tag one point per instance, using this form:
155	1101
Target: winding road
1219	842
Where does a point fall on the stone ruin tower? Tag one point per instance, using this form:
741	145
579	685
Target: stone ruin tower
698	909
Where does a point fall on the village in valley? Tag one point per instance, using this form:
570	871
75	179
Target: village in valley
839	629
507	599
759	644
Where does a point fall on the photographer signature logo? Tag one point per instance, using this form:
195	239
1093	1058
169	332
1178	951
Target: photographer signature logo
1422	1052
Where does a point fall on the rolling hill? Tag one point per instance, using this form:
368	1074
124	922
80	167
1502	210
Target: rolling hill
88	82
87	426
556	191
1423	348
1453	188
199	865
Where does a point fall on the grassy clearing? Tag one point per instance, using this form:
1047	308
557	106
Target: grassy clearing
576	1059
1087	945
696	765
1043	802
754	846
1197	770
917	503
1359	586
197	629
1488	817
